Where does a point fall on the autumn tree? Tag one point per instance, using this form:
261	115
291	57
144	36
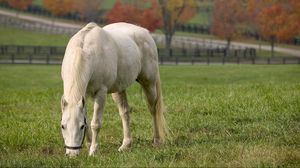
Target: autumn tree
3	1
228	20
296	7
276	20
19	4
174	12
59	7
87	9
136	13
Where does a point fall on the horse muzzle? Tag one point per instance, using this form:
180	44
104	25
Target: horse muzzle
72	152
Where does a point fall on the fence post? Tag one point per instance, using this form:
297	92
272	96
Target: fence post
161	59
283	60
194	53
47	59
183	52
30	59
269	61
223	60
253	60
12	58
245	53
212	52
2	50
208	59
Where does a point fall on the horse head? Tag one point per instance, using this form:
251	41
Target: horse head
73	125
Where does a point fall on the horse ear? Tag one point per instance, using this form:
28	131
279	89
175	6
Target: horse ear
63	103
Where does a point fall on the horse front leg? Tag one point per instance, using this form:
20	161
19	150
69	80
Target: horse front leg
99	102
121	100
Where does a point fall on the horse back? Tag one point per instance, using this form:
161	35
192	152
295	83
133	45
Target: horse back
145	43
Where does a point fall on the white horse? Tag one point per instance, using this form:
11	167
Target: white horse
106	60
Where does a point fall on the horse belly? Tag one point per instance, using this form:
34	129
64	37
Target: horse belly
129	67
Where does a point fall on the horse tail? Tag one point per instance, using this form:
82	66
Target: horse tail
159	111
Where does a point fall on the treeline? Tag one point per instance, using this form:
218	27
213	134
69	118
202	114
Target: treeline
270	20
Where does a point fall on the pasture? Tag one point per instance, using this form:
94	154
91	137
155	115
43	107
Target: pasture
232	115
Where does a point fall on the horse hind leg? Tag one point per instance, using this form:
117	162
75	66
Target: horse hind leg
153	94
121	100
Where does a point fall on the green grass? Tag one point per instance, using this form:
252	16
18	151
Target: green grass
202	18
13	36
107	4
38	3
232	115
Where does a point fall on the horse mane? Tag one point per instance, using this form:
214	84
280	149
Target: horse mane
75	66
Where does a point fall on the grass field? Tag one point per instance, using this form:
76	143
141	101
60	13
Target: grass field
232	115
14	36
106	4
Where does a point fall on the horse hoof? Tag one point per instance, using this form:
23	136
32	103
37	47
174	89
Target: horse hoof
157	142
125	146
93	150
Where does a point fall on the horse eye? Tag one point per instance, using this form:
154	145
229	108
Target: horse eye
62	127
82	127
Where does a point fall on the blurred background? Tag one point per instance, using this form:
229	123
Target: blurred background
186	31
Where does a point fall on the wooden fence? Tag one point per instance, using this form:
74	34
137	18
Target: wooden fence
12	54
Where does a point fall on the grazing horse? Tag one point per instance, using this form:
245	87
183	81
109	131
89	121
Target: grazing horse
99	61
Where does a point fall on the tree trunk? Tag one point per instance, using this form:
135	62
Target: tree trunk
168	47
272	47
169	24
228	47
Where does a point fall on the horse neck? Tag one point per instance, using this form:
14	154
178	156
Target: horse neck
76	74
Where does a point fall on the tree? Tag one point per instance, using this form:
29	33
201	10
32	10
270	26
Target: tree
228	20
3	1
276	20
136	13
174	12
20	4
296	8
87	9
59	7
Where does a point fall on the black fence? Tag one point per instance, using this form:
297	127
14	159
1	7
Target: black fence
31	54
11	54
100	18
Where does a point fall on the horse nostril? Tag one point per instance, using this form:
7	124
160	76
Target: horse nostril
82	127
72	153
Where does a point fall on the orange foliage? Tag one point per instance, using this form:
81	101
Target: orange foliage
59	7
20	4
296	7
145	17
228	17
278	20
188	13
87	8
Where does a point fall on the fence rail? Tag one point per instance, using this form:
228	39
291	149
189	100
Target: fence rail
188	27
12	54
